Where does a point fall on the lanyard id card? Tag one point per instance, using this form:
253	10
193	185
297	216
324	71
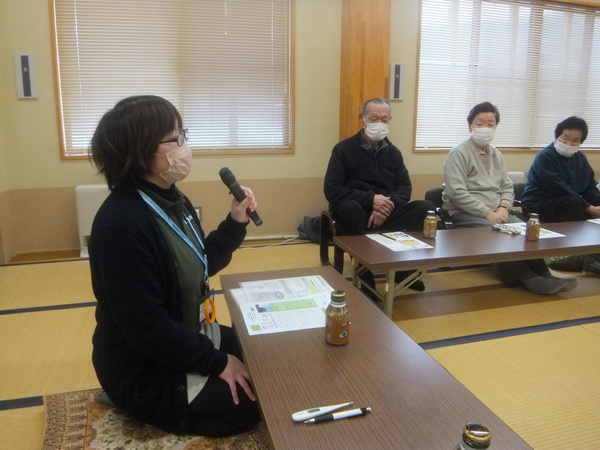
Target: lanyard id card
206	308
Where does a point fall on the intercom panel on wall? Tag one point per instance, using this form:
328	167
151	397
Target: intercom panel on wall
26	76
395	81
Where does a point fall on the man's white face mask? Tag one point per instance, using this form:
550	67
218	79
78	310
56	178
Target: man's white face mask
376	131
565	150
483	136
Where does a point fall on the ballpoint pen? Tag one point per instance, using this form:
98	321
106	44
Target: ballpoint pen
386	236
302	416
339	415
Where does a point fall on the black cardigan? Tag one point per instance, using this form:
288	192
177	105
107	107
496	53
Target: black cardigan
142	351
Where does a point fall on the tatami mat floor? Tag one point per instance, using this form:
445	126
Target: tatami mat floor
47	319
544	385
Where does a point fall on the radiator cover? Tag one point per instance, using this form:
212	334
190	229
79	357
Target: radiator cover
88	199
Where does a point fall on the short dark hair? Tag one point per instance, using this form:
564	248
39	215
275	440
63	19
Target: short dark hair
485	107
572	123
127	137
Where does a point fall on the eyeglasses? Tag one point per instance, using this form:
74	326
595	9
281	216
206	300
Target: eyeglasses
180	138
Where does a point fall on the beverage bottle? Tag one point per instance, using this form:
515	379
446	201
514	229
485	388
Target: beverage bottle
475	436
430	225
337	320
532	232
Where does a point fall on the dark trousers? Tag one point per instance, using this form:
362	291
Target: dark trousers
562	209
352	218
212	412
511	271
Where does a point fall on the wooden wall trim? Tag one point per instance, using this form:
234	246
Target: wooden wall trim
364	59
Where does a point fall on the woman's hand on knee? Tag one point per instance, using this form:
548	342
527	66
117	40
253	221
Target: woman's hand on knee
235	373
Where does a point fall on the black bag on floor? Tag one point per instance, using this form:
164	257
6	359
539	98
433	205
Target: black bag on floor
310	229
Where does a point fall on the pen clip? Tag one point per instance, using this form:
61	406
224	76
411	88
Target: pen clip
301	416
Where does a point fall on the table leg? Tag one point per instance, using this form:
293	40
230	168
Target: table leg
357	280
356	273
389	288
392	289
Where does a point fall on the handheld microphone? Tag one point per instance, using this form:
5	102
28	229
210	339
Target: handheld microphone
236	190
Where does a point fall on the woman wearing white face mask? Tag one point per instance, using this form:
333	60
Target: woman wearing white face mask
479	193
561	187
478	190
560	182
158	353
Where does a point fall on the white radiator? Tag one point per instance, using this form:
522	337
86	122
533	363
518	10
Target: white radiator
88	199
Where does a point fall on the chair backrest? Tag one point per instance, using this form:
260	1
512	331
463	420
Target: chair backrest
518	188
434	195
517	177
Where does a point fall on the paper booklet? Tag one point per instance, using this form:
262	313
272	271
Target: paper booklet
398	241
287	304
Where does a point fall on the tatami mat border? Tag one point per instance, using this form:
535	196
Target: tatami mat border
507	333
16	403
46	308
58	307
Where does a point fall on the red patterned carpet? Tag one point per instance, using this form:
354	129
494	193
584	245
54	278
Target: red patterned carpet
74	420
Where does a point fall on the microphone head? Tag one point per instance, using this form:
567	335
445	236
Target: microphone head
227	176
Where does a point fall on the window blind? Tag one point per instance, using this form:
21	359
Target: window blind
539	63
225	64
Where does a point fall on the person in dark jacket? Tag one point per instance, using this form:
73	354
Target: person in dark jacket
560	183
157	351
561	187
367	184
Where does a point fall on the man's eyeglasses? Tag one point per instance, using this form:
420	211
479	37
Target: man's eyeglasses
180	138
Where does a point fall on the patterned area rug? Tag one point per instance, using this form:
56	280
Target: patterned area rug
74	420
